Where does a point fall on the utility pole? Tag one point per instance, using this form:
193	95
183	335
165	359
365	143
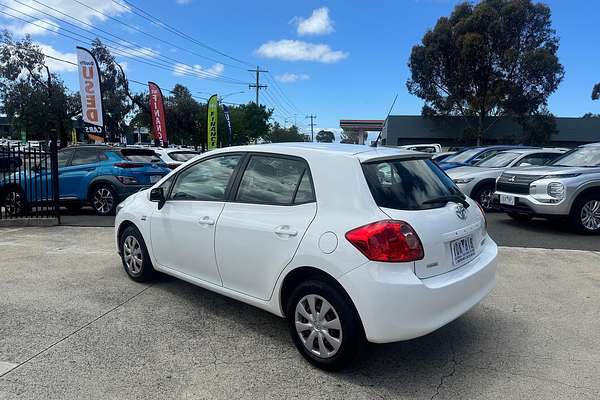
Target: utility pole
312	126
257	85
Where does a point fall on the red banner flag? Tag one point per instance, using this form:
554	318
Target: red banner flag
157	111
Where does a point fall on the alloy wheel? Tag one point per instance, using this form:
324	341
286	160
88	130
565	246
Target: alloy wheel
103	200
13	203
590	215
318	326
485	198
132	254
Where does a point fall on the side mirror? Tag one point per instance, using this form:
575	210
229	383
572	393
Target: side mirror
158	195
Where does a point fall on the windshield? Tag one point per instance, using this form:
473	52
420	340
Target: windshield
463	156
182	156
408	184
579	157
498	160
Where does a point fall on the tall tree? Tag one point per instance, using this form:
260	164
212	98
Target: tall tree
279	134
325	136
493	58
538	128
32	104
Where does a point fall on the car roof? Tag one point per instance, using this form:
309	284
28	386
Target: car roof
535	150
597	144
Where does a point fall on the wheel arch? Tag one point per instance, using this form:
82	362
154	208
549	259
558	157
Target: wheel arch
122	226
97	182
585	192
482	183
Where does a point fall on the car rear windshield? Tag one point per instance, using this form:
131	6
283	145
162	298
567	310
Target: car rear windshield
139	155
413	184
182	156
463	156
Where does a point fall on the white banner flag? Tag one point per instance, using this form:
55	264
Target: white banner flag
89	88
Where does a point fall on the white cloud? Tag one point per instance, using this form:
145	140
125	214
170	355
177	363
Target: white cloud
140	52
55	65
318	23
198	70
288	77
68	7
41	27
296	50
183	2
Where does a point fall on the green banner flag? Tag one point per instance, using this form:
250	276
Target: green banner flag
213	118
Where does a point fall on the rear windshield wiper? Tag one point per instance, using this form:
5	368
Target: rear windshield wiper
445	199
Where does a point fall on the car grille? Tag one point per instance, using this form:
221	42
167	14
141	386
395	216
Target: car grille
513	183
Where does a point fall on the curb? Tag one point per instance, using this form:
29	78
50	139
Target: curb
20	222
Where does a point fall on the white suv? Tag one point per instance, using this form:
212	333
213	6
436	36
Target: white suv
350	243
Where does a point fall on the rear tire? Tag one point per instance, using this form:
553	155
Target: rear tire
14	202
585	214
104	200
520	217
134	255
330	341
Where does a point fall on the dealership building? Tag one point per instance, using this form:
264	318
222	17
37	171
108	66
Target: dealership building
399	130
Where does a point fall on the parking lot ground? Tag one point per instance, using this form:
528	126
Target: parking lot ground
73	326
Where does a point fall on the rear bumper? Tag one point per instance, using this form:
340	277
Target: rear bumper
394	304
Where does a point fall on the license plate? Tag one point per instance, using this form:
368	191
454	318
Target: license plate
507	199
462	250
155	178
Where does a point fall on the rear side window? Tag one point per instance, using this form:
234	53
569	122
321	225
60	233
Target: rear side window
275	180
85	156
408	184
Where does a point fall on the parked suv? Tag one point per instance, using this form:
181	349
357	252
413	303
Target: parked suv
569	187
385	249
98	175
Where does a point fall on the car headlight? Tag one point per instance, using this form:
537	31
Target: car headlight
556	190
560	176
462	181
120	207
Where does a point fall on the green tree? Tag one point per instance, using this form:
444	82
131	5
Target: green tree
596	92
31	103
325	136
279	134
538	128
249	123
115	102
493	58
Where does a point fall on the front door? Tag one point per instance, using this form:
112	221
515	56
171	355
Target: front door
259	231
183	231
75	177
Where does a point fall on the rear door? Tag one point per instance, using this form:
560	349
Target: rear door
261	227
414	191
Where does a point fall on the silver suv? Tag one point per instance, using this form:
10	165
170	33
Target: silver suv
569	187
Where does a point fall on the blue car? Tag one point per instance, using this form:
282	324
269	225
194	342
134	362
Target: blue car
472	155
99	175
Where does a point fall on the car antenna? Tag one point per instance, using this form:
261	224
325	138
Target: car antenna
388	114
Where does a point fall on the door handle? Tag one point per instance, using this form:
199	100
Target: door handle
206	220
285	230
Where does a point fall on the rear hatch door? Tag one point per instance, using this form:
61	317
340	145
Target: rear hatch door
144	164
416	191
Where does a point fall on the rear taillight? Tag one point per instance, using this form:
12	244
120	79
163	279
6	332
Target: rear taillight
389	241
128	165
482	213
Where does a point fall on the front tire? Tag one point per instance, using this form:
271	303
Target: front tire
324	325
484	195
14	202
585	215
104	200
134	255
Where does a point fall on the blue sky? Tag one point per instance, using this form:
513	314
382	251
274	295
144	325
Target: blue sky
335	59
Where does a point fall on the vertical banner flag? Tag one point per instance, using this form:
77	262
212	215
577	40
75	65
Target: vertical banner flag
157	110
228	120
213	118
91	95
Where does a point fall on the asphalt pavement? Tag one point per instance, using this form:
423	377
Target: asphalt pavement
538	233
73	326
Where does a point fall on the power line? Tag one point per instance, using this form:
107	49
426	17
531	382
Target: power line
285	97
121	52
257	86
174	30
121	44
135	28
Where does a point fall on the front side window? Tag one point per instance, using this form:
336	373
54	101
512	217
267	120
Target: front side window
274	180
85	156
415	184
537	159
207	180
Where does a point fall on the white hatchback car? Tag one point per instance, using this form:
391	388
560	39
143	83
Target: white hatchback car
350	243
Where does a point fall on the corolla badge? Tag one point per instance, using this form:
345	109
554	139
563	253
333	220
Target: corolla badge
461	211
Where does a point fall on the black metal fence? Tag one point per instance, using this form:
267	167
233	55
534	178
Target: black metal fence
28	182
